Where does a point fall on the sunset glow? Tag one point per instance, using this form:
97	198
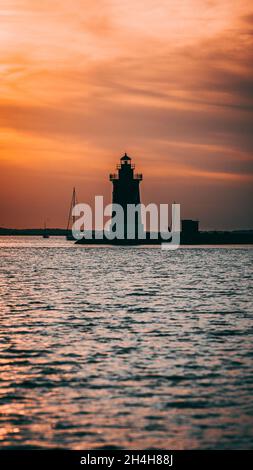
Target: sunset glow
170	82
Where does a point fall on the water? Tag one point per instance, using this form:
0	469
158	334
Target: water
125	347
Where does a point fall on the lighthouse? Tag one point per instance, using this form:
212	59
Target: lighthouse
126	190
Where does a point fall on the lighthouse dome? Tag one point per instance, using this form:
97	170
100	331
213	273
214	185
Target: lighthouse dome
125	158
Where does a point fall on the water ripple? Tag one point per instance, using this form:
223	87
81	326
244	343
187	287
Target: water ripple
124	347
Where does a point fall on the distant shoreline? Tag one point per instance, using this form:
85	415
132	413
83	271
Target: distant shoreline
34	231
234	237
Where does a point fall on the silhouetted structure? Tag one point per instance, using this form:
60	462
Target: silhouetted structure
189	231
126	190
190	227
71	218
45	233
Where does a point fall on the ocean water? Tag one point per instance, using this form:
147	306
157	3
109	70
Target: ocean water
125	347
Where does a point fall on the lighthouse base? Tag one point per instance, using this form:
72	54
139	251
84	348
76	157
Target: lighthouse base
146	239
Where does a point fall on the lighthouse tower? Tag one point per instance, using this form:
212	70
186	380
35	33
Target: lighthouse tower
126	190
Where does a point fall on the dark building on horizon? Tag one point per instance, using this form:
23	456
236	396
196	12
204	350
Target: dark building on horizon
126	190
189	230
190	226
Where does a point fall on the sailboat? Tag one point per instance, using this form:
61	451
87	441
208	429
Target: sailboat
45	234
71	217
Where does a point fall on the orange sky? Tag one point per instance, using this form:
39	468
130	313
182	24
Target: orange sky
168	81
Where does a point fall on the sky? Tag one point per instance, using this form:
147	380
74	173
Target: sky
170	82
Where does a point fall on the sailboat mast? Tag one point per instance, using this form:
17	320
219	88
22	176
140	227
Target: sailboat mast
73	204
